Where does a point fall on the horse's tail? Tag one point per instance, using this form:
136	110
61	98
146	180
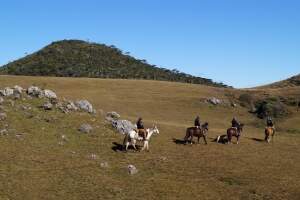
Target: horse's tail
125	139
187	134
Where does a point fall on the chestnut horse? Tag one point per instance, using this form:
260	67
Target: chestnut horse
234	132
198	132
269	131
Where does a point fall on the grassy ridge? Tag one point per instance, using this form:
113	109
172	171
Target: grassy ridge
75	58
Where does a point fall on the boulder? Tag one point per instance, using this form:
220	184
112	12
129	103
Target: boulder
34	91
49	94
123	126
71	106
85	106
85	128
3	116
214	101
7	92
47	106
18	90
132	169
110	116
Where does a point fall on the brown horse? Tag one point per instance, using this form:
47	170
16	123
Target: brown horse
269	131
234	132
197	132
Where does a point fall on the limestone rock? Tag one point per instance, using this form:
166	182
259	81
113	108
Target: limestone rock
85	128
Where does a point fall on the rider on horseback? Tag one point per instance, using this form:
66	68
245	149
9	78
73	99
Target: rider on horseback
234	123
270	123
197	122
140	128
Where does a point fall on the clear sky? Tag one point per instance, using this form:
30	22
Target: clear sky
242	43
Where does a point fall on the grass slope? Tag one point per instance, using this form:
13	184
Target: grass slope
38	167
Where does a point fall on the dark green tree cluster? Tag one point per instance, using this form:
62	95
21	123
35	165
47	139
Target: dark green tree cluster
76	58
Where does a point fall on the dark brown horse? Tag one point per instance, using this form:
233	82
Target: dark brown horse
197	132
269	131
235	132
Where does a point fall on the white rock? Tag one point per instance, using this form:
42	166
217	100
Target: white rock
132	169
85	105
49	94
17	89
7	92
47	106
3	116
34	91
1	100
214	101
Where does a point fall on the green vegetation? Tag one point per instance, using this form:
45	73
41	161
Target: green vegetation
75	58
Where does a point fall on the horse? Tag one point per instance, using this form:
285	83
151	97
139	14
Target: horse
150	132
198	132
130	138
234	131
269	131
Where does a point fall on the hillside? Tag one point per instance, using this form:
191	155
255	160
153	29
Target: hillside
38	164
290	82
75	58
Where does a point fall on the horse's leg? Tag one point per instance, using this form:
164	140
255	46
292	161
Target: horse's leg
133	144
204	138
192	139
237	139
198	139
126	146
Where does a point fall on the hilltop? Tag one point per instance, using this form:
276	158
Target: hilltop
76	58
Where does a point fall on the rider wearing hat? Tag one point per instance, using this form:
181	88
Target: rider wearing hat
197	122
270	122
140	128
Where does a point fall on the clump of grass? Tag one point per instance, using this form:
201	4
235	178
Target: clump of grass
231	181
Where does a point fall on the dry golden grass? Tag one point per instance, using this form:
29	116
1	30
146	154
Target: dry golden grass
37	167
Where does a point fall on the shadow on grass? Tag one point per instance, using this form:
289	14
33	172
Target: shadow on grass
120	148
179	141
257	139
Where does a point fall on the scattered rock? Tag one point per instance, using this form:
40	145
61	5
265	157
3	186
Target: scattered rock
4	132
85	106
214	101
85	128
123	126
34	91
3	116
1	100
49	94
47	106
233	105
104	164
18	90
71	106
7	92
110	116
132	169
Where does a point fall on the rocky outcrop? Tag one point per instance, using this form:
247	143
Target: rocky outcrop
111	116
123	126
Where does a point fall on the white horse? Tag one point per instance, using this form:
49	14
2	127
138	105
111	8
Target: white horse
150	132
130	138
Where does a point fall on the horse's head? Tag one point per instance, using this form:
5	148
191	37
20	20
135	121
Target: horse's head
155	129
205	126
240	127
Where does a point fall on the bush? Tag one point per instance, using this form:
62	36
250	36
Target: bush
274	109
246	100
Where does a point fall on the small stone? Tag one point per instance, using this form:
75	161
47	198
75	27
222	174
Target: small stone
104	165
85	128
132	169
49	94
85	106
4	132
47	106
3	116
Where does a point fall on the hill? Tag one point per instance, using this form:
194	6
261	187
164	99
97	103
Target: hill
76	58
290	82
39	165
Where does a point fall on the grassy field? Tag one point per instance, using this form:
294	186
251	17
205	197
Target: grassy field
38	164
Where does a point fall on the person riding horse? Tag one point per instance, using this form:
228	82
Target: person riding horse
269	130
270	122
140	128
235	123
197	122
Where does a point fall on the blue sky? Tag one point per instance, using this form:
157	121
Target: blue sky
242	43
